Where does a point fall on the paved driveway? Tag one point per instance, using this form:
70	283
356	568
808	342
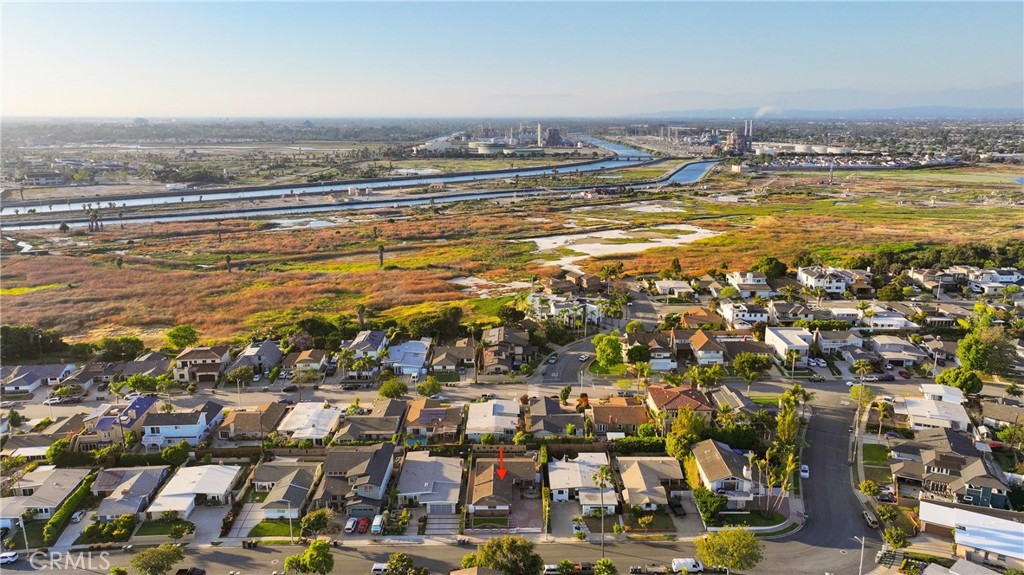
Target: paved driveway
251	515
73	530
562	513
208	521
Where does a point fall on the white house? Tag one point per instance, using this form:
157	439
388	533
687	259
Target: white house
369	343
750	284
929	413
210	482
41	491
674	288
310	420
433	482
161	430
410	357
725	472
982	535
28	378
499	417
944	393
898	351
831	341
742	315
707	349
785	339
813	277
574	479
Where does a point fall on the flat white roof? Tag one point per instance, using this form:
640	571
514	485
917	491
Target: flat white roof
791	336
943	390
575	473
310	420
938	410
187	482
978	530
493	416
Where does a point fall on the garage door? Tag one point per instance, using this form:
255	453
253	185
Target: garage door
448	508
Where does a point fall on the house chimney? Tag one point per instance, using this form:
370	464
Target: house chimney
746	472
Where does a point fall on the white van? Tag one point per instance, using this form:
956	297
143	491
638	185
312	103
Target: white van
551	570
378	525
687	565
379	569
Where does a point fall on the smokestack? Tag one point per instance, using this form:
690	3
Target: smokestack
751	131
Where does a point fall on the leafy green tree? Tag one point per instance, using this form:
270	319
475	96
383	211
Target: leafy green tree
887	513
521	438
1014	390
488	439
605	566
511	316
240	376
182	336
687	429
771	267
635	326
890	292
986	349
402	564
729	292
966	380
646	430
121	348
57	453
158	560
735	548
509	554
316	521
638	353
566	567
563	394
746	361
177	531
66	391
869	488
862	367
609	349
895	537
176	454
429	386
15	419
1012	434
393	389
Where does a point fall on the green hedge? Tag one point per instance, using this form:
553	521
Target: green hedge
628	445
60	519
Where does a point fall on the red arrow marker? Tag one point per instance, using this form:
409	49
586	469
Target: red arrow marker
501	464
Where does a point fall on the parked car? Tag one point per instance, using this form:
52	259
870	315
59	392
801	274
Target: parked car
583	569
871	520
887	498
257	377
805	472
52	401
132	396
817	377
870	378
583	357
888	366
578	527
77	516
687	565
364	525
6	405
906	374
850	384
71	400
8	557
677	507
489	396
286	401
553	358
290	388
887	377
351	524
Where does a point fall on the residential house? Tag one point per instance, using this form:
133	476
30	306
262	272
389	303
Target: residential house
789	339
621	415
948	465
554	285
989	536
884	319
830	342
41	492
290	495
897	351
941	350
505	349
742	315
108	424
450	358
672	399
734	347
499	417
648	482
960	567
785	313
310	420
268	474
726	472
546	418
723	395
430	419
127	490
151	364
382	423
929	413
854	353
815	277
28	378
932	279
750	284
706	348
945	393
369	343
588	283
490	496
707	283
697	318
661	345
201	364
31	446
997	415
161	430
307	360
260	356
196	485
674	288
410	357
252	425
84	377
356	478
433	482
573	479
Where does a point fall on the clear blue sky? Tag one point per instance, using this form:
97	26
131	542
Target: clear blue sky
503	59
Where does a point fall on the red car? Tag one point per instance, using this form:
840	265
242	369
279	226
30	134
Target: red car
364	525
904	374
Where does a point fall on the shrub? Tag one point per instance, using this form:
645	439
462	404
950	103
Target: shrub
60	518
628	445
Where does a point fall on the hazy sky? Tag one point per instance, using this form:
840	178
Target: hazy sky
503	59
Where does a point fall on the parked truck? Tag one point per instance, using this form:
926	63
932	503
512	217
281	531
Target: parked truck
191	571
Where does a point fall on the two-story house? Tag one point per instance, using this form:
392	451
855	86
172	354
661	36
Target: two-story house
706	349
948	465
750	284
725	472
369	343
789	339
830	342
430	419
814	277
742	315
260	356
161	430
785	313
660	344
621	415
381	424
355	478
108	424
201	364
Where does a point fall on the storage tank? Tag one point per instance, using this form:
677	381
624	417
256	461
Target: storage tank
838	150
819	149
802	149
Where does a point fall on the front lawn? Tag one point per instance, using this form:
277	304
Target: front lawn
596	369
875	454
880	475
445	377
256	496
662	522
34	530
594	523
765	399
161	527
752	519
490	522
271	528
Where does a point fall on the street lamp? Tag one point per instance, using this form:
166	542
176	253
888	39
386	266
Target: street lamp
860	566
291	537
24	531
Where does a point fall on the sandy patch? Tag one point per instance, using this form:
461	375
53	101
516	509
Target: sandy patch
483	288
654	208
305	223
596	244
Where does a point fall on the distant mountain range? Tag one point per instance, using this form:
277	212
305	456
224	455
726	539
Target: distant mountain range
996	102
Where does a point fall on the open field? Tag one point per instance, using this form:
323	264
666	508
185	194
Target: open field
176	273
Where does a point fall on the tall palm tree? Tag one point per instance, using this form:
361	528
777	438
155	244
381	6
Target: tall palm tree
346	357
643	371
884	410
797	395
862	367
713	375
791	357
602	479
695	375
726	416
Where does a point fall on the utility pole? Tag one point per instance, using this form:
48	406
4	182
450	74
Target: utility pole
860	566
